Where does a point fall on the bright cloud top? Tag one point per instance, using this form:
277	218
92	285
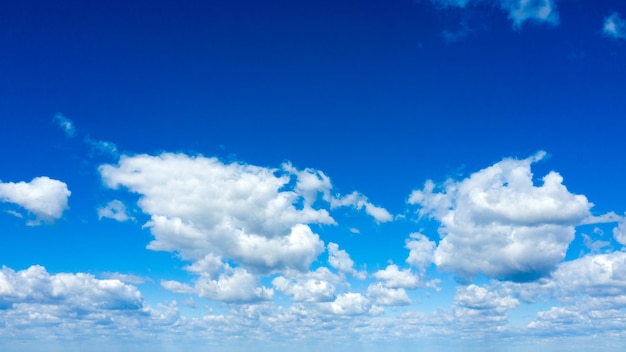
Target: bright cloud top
212	213
615	26
498	223
519	11
43	197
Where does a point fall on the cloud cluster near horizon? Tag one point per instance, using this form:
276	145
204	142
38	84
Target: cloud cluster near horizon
249	238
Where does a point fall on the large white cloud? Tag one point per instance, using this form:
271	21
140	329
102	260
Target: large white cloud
43	197
200	205
519	11
252	217
499	223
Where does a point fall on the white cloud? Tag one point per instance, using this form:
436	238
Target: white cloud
359	201
233	285
315	286
126	278
115	210
479	307
340	260
310	183
601	275
619	232
420	251
349	303
592	291
65	124
200	205
519	11
44	197
615	26
497	222
392	277
76	291
386	296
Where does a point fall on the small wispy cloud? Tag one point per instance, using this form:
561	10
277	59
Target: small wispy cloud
615	26
102	147
65	124
115	210
519	11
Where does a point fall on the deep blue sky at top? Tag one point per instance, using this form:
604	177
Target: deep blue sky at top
368	91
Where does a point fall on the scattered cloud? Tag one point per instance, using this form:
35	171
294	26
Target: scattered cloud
233	285
77	291
386	296
102	147
65	124
498	223
519	11
115	210
44	197
420	251
349	303
359	202
392	277
340	260
619	232
315	286
127	278
615	26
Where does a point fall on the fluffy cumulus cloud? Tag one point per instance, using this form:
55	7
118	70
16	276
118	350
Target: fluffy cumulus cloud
499	223
340	260
592	293
393	277
381	294
44	197
233	286
349	303
619	232
480	306
315	286
615	26
76	291
420	251
519	11
254	217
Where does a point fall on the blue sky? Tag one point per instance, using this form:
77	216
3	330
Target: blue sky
372	175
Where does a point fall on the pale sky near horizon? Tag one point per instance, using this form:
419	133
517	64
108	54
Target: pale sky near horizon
367	175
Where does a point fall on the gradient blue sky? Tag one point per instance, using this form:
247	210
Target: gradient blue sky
372	175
